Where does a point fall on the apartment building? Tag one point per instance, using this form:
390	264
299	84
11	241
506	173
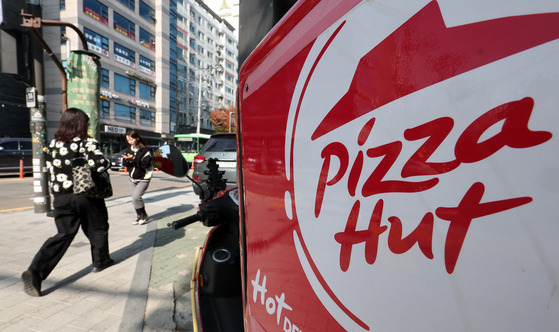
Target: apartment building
206	65
165	65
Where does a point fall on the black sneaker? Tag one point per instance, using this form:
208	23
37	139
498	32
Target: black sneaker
31	283
102	266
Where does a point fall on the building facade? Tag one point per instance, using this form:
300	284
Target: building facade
161	62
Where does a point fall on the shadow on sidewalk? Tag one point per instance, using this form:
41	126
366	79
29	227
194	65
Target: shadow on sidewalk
117	201
163	236
160	197
173	212
118	256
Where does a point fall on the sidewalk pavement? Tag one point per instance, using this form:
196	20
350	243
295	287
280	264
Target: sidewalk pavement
148	289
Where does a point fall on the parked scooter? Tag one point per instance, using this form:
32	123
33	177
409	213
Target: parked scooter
216	278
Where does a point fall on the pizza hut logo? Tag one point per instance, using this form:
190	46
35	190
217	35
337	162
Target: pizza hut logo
422	136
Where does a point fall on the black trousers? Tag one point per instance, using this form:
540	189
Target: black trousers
71	211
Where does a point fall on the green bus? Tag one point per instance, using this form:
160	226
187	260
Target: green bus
190	145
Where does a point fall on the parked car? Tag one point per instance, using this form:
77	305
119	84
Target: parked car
116	158
222	147
12	150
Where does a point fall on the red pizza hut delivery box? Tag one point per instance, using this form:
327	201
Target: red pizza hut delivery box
400	167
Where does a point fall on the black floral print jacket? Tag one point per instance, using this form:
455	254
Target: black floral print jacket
59	162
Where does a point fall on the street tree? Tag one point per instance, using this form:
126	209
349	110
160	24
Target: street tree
224	119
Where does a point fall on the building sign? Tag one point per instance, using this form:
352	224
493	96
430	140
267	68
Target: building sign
96	42
147	66
115	130
139	103
124	31
418	151
109	95
95	15
410	163
147	71
125	56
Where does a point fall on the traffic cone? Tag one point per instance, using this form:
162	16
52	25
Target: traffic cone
21	173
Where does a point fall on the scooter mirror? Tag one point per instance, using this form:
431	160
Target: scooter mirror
170	160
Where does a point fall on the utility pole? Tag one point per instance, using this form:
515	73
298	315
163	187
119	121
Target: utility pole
199	100
37	107
37	101
209	70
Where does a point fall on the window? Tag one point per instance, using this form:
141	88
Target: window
63	37
25	145
105	78
124	55
173	76
173	100
173	27
96	42
147	118
147	12
147	91
12	145
172	121
97	10
125	85
147	39
124	26
105	111
129	3
125	113
62	4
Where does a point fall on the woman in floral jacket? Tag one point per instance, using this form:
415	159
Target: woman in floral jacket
71	211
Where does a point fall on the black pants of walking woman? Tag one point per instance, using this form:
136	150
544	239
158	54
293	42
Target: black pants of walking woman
70	212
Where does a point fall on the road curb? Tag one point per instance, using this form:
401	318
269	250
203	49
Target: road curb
135	307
